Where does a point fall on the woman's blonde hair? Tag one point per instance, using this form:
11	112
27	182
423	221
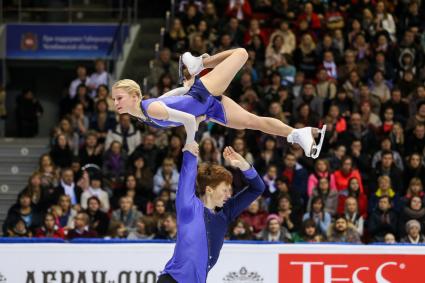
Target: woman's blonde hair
130	86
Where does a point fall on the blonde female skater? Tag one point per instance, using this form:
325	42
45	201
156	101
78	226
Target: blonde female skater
202	98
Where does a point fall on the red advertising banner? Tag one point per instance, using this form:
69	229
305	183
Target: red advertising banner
355	268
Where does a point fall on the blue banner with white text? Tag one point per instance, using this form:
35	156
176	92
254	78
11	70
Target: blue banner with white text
64	41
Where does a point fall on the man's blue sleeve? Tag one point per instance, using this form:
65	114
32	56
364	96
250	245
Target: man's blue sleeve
244	198
185	198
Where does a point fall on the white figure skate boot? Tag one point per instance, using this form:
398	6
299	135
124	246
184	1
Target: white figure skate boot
194	64
304	137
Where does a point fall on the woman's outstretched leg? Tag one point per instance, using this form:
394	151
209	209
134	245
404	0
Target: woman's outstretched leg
239	118
226	65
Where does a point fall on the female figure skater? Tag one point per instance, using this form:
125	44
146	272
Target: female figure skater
204	99
202	222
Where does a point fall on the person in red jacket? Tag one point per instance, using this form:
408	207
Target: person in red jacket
311	17
353	190
49	228
240	9
343	175
255	216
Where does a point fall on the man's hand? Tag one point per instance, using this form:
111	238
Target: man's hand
235	159
192	148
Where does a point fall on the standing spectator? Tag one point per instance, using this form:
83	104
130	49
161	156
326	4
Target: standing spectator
343	232
81	230
82	79
273	232
50	229
125	133
100	77
28	110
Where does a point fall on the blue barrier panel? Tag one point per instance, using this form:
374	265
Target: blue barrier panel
63	41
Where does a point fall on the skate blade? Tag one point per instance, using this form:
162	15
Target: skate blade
316	148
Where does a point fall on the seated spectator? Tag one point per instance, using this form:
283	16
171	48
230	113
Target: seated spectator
273	232
387	167
117	230
387	121
416	141
413	210
270	177
415	189
319	215
295	173
208	151
100	77
351	212
269	156
35	189
162	65
125	133
353	190
309	233
413	231
151	153
81	228
103	120
102	93
274	52
175	150
81	79
84	98
290	217
61	153
169	228
325	86
343	232
255	216
144	229
19	229
382	220
91	152
65	128
143	175
390	239
329	196
240	230
114	161
164	84
386	145
66	221
46	166
254	30
166	177
321	170
343	175
414	169
159	212
306	57
23	209
68	187
400	107
79	122
368	116
282	188
98	220
379	87
50	229
175	39
127	214
95	189
313	19
308	96
384	189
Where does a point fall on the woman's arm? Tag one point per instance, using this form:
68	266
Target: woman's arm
159	110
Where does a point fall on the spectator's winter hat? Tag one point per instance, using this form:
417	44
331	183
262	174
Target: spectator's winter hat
273	216
412	223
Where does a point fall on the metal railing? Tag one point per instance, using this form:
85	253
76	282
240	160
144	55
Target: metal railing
70	12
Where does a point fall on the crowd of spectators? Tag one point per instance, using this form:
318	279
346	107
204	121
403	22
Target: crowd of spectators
356	66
